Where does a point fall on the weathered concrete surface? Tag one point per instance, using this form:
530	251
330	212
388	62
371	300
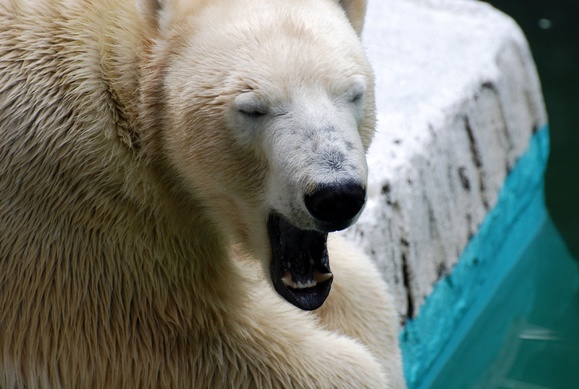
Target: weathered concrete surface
458	99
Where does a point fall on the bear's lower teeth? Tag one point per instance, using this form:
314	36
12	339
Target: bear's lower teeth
287	281
319	277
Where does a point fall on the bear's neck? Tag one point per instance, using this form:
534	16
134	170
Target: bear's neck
186	261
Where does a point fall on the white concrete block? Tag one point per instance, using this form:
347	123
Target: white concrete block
458	99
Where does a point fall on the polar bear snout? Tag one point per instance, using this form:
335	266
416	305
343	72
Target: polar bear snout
336	206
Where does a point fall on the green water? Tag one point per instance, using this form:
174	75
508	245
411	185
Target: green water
552	29
531	326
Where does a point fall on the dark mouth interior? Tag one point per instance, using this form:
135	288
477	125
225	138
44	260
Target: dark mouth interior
300	268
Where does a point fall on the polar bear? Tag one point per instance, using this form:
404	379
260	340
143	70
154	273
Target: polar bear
169	173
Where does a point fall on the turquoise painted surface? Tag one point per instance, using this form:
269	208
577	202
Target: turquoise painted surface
446	318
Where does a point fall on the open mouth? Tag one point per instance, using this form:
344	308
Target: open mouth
300	267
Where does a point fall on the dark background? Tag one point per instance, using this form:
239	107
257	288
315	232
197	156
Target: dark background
552	29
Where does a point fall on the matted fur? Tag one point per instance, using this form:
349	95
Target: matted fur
116	259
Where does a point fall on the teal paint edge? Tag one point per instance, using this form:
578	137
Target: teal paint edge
448	313
539	293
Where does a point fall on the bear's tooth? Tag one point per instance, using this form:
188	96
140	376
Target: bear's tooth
321	277
287	279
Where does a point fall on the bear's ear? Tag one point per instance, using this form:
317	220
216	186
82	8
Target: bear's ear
156	14
355	11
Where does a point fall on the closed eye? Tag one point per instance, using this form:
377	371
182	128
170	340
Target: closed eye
357	89
357	97
251	105
252	113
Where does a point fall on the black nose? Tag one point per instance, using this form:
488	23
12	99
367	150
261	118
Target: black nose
336	205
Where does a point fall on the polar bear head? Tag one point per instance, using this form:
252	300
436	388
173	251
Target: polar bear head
267	111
